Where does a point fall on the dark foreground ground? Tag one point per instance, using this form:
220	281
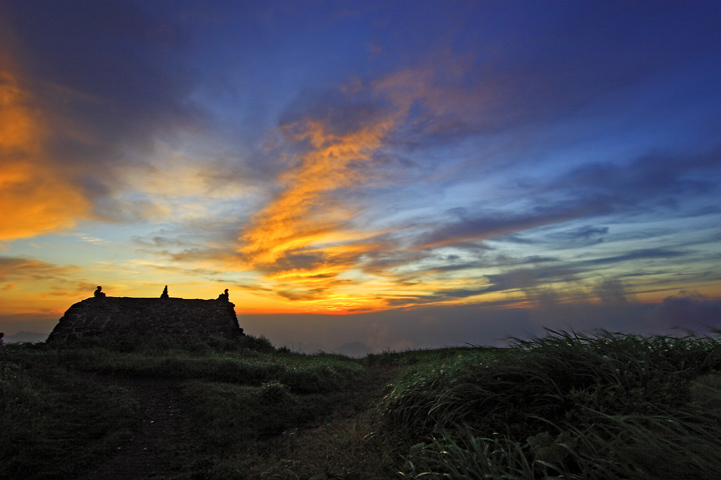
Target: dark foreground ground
566	406
161	435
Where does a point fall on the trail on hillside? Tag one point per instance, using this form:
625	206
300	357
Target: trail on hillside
150	452
154	450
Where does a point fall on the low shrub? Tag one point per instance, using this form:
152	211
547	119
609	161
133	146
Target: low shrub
229	417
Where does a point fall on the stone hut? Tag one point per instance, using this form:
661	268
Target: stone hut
125	317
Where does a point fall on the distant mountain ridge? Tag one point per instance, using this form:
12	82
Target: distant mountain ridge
354	349
32	337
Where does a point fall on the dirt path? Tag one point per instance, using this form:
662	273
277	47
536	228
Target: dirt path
346	443
149	455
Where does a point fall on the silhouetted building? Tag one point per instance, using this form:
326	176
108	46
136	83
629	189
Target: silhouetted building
126	317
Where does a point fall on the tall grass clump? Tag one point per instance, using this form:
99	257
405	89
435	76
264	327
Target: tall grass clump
566	406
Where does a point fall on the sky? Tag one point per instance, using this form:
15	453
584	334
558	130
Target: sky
391	175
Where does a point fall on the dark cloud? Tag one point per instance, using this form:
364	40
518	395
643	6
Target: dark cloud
298	294
26	268
612	291
108	79
390	255
124	61
455	293
636	255
196	254
313	287
158	241
584	235
654	180
299	260
651	182
687	311
505	67
54	280
528	278
492	225
517	238
198	240
436	297
341	112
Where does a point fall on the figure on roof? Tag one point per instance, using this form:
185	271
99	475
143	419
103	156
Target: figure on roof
98	293
224	296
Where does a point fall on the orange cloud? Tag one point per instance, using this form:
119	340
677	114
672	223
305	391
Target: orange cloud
307	213
304	238
34	196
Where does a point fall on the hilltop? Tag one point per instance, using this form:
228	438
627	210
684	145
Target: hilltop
606	407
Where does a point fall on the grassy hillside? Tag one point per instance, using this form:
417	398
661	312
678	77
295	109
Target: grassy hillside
566	406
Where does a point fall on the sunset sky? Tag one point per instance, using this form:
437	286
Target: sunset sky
401	174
